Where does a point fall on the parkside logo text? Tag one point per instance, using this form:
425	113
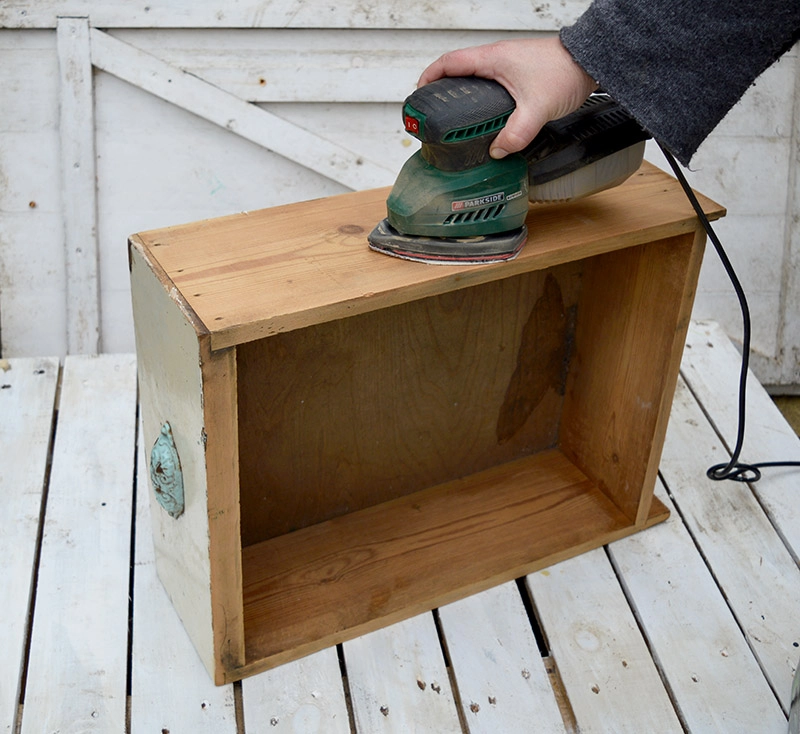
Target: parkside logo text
458	206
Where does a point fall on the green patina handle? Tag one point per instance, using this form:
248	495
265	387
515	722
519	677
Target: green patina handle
166	474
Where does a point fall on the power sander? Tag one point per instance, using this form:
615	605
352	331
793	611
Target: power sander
454	204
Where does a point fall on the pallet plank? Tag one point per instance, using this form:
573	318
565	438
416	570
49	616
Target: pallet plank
711	369
78	185
27	395
304	695
79	642
393	14
610	678
716	682
309	65
398	680
232	113
170	689
502	681
754	569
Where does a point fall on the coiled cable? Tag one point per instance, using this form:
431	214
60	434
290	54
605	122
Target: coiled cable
733	469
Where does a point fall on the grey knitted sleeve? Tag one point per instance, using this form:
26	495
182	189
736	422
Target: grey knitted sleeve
678	66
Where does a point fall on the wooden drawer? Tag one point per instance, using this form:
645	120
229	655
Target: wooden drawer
363	438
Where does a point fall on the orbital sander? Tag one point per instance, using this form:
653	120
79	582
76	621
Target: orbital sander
454	204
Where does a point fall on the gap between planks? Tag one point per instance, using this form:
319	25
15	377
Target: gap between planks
43	366
132	566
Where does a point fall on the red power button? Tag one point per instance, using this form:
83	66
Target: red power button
412	125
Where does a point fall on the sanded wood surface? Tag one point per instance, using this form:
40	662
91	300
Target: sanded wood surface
720	665
632	323
395	408
258	273
326	583
351	413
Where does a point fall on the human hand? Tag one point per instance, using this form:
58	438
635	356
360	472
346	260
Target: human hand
539	73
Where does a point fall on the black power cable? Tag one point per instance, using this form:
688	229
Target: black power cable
734	469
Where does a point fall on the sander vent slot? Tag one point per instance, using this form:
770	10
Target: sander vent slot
476	215
469	132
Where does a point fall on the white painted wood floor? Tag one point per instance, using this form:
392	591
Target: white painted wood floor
693	625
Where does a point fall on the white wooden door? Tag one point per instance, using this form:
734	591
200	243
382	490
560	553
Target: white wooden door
117	118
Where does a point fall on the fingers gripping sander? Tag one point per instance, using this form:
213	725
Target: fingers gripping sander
453	203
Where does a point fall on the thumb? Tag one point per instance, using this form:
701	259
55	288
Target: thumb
522	127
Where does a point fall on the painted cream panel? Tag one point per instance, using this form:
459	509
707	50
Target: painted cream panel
172	393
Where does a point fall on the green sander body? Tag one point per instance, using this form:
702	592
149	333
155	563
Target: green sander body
453	203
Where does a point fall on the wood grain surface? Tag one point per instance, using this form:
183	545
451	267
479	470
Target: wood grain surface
259	273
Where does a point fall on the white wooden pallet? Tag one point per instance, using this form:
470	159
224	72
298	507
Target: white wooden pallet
689	626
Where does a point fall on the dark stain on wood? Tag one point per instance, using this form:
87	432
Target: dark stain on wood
542	360
351	229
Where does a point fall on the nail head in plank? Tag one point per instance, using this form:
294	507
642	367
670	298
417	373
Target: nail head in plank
610	678
305	695
398	680
501	677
